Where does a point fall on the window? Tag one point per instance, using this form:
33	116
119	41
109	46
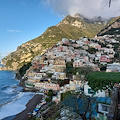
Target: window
104	108
90	91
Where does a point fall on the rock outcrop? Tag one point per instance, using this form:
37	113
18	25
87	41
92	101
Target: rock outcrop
112	28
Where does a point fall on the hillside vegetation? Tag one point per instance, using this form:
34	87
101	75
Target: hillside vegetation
69	27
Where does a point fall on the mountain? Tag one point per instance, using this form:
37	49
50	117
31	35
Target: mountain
70	27
113	28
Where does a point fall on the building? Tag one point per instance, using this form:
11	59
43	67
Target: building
88	91
104	58
59	65
78	63
115	67
47	86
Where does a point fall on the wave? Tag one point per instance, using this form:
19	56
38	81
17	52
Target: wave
11	88
8	90
16	105
4	87
11	99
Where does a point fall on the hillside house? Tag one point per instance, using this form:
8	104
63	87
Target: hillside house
115	67
62	75
64	40
49	54
93	45
88	91
39	66
32	79
111	55
44	69
85	59
104	58
78	63
59	65
91	56
85	47
47	86
29	84
80	42
59	48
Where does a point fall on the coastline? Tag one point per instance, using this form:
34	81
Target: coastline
30	106
9	118
22	83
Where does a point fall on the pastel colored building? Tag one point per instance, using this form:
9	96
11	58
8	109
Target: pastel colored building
47	86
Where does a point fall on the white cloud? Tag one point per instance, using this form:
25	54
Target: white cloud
11	31
88	8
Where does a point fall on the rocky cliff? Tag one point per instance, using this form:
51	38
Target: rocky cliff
112	28
69	27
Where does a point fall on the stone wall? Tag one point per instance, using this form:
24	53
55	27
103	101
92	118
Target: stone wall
112	115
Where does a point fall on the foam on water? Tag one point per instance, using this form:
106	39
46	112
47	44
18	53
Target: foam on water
8	90
17	105
12	99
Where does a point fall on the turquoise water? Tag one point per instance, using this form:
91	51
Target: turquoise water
12	99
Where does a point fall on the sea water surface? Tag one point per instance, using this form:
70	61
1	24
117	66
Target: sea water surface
12	99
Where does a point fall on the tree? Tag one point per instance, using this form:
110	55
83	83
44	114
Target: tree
50	94
116	55
69	69
47	99
102	80
49	75
60	82
103	67
81	104
64	95
84	70
23	69
91	50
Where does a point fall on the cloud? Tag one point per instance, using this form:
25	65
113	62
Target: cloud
11	31
88	8
2	55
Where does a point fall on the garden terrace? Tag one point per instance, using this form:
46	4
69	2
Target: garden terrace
102	80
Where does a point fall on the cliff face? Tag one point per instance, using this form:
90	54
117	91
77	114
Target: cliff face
22	55
112	28
69	27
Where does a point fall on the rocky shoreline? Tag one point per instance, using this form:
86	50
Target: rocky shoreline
22	83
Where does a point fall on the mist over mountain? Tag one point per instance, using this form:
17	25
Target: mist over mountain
92	20
88	8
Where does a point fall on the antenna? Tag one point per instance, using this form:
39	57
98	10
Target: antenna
109	3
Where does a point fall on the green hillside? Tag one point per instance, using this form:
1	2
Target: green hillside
69	27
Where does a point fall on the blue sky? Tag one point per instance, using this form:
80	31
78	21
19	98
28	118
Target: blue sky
23	20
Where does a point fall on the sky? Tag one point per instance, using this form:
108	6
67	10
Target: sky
23	20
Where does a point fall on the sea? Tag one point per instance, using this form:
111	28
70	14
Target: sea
12	97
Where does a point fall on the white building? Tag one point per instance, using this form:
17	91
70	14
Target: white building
113	67
88	91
